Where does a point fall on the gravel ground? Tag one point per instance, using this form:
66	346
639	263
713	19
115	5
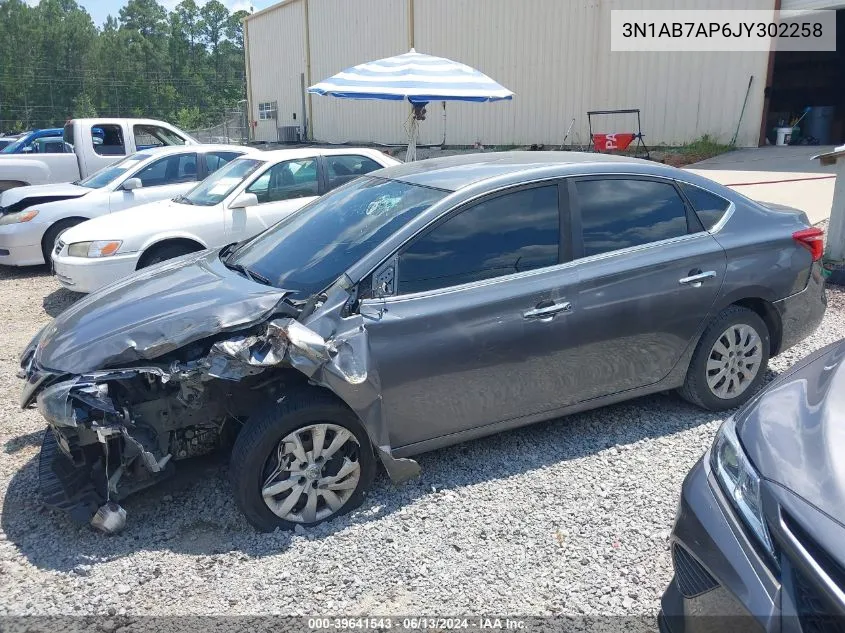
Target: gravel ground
567	517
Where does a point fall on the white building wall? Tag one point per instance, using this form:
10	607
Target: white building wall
345	33
275	42
554	54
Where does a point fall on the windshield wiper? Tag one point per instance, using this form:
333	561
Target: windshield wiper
246	272
182	200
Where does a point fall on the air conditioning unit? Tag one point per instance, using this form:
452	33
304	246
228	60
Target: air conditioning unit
289	134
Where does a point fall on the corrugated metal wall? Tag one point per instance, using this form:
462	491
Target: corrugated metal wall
345	33
554	54
276	58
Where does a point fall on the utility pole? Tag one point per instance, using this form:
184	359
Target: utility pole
835	247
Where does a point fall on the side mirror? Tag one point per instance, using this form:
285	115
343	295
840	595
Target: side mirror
244	200
132	183
27	150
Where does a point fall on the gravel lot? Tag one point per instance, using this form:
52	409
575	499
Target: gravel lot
567	517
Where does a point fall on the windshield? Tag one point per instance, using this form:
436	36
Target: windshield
214	189
10	149
101	178
307	251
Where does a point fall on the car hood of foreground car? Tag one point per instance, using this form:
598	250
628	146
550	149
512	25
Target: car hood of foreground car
794	432
153	312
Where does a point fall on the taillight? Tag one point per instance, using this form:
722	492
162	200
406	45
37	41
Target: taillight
812	239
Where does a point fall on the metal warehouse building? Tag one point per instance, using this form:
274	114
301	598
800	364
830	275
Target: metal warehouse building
554	54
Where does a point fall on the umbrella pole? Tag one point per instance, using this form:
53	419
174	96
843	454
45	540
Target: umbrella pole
413	129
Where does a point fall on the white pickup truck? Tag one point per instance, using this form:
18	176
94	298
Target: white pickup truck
96	143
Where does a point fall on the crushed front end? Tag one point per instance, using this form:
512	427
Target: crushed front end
115	431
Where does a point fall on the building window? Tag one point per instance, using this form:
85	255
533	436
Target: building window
266	110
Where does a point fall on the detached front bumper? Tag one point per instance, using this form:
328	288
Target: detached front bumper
89	274
20	244
721	583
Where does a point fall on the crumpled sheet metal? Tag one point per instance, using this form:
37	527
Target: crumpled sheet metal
331	350
363	394
286	341
154	312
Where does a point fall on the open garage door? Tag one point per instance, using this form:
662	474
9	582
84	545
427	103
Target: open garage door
812	79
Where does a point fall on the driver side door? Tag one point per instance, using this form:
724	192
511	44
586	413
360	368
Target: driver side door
163	179
281	190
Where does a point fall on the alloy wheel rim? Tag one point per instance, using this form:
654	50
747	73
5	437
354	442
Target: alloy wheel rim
312	473
734	361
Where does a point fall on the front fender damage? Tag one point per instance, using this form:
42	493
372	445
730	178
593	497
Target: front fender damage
331	350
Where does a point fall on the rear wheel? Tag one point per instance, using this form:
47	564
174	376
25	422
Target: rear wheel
729	362
302	461
162	253
51	238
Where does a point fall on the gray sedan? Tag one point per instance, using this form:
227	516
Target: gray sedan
758	539
419	306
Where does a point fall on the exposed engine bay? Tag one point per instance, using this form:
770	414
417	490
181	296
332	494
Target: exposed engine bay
124	429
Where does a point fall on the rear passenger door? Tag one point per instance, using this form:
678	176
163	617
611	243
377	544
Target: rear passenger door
474	317
649	275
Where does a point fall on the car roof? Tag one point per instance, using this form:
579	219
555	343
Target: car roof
305	152
457	172
202	148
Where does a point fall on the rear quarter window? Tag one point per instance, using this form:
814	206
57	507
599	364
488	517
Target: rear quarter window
709	207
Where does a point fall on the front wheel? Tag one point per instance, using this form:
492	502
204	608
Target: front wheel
303	461
730	361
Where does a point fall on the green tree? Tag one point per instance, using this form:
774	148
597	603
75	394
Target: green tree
83	107
215	19
186	65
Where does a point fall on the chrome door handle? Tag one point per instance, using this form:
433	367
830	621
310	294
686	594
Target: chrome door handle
548	311
695	280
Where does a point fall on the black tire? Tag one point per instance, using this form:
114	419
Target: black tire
259	438
695	388
158	254
51	237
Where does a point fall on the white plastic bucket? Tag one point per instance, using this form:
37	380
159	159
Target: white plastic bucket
784	133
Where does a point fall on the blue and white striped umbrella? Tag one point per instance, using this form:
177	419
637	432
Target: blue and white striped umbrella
413	76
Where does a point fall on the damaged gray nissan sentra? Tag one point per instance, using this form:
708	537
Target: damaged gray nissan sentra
413	308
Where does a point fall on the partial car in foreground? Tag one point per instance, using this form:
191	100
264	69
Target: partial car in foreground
236	203
416	307
759	539
32	218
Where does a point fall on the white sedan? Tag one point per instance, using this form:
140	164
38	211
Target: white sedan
32	218
237	202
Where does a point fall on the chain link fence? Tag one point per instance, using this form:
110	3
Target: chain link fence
233	130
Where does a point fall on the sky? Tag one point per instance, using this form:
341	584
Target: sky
100	9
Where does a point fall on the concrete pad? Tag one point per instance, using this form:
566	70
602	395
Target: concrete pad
795	159
783	175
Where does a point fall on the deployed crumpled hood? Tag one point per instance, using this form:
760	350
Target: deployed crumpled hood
795	433
153	312
63	190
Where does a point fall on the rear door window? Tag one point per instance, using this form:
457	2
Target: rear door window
148	135
342	169
619	213
215	160
507	234
709	207
286	181
108	140
169	171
